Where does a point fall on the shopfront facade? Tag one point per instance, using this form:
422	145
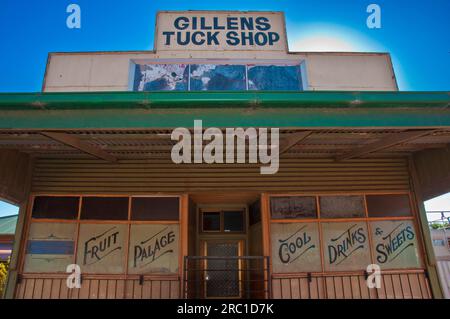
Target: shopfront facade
103	192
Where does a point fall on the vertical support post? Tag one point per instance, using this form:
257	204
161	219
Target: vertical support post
269	281
17	253
185	277
17	186
429	258
184	220
265	222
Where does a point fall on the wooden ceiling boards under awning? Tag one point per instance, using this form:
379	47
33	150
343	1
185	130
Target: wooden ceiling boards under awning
127	125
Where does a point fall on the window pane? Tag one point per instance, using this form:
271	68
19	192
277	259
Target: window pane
233	221
293	207
395	244
212	77
341	206
438	242
101	248
211	221
388	205
254	213
5	250
153	249
161	77
56	207
155	208
112	208
346	246
274	78
295	247
50	247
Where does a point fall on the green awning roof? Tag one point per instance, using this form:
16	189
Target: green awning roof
175	99
136	110
8	225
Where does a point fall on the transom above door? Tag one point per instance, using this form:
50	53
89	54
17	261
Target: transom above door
223	221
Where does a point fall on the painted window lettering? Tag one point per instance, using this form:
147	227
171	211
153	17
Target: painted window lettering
294	246
395	244
154	247
100	246
345	246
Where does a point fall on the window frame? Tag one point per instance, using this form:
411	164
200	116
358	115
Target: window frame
222	229
76	216
366	219
155	221
301	63
78	222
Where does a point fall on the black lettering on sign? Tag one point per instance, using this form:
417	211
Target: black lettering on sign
395	243
344	245
156	246
98	247
294	246
203	31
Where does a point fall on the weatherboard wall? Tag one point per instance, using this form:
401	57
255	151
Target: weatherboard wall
143	176
296	176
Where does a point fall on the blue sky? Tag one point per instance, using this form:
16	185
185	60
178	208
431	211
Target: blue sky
7	209
416	33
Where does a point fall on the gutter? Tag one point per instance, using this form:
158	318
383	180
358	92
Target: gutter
241	99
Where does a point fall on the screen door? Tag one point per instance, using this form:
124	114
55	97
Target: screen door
222	273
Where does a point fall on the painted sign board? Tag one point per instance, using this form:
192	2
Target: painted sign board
153	249
101	248
395	244
295	247
50	247
346	246
220	31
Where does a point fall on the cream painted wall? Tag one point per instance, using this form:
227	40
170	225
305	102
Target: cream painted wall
110	71
441	251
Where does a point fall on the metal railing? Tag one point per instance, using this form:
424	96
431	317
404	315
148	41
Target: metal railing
226	277
444	218
441	224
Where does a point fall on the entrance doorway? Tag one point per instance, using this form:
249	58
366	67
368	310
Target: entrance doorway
223	234
223	271
225	248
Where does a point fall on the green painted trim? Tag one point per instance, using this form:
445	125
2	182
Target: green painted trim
130	100
8	224
140	110
224	117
